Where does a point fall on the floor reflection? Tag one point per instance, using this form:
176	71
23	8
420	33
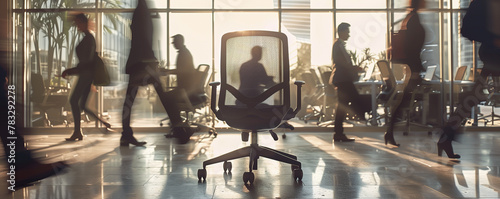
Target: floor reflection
366	168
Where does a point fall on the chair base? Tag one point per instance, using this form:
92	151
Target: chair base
254	152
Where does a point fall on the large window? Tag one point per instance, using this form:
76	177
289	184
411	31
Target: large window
45	42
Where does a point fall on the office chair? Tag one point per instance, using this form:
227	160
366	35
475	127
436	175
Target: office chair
193	103
46	99
329	97
392	95
314	100
254	113
493	101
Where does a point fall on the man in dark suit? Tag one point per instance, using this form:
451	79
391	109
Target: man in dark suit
142	69
343	78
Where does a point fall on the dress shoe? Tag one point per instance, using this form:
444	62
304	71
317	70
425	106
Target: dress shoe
126	140
342	138
389	137
77	135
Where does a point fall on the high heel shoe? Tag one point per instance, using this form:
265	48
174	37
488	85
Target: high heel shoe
125	141
390	138
107	125
444	143
75	136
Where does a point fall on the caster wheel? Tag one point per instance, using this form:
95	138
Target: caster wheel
227	166
283	136
215	134
245	136
202	174
405	133
298	174
161	124
274	135
248	177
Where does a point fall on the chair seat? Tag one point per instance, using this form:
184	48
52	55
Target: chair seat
263	117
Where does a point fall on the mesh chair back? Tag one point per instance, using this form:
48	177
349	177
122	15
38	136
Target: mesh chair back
254	88
252	72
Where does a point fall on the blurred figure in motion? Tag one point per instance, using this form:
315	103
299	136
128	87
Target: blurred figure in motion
481	23
86	53
142	67
413	43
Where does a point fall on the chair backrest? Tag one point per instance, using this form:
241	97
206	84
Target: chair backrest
399	71
387	75
460	74
204	69
38	88
325	72
254	79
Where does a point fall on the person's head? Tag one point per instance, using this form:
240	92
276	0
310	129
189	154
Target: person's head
81	22
343	31
178	41
417	4
256	52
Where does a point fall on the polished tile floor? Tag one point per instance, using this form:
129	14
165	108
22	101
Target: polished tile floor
363	169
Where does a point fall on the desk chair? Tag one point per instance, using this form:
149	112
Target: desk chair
493	100
193	103
392	95
389	90
202	117
44	99
329	97
313	100
247	113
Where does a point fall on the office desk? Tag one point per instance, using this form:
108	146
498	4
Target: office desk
374	89
433	87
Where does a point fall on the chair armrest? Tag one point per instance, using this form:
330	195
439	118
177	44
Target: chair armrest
213	101
299	94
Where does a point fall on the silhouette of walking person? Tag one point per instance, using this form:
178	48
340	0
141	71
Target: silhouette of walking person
343	78
142	69
85	51
413	42
481	23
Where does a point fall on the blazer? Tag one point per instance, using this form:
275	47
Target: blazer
344	70
141	48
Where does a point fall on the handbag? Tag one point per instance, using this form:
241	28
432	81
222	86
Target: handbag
397	46
397	51
101	74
